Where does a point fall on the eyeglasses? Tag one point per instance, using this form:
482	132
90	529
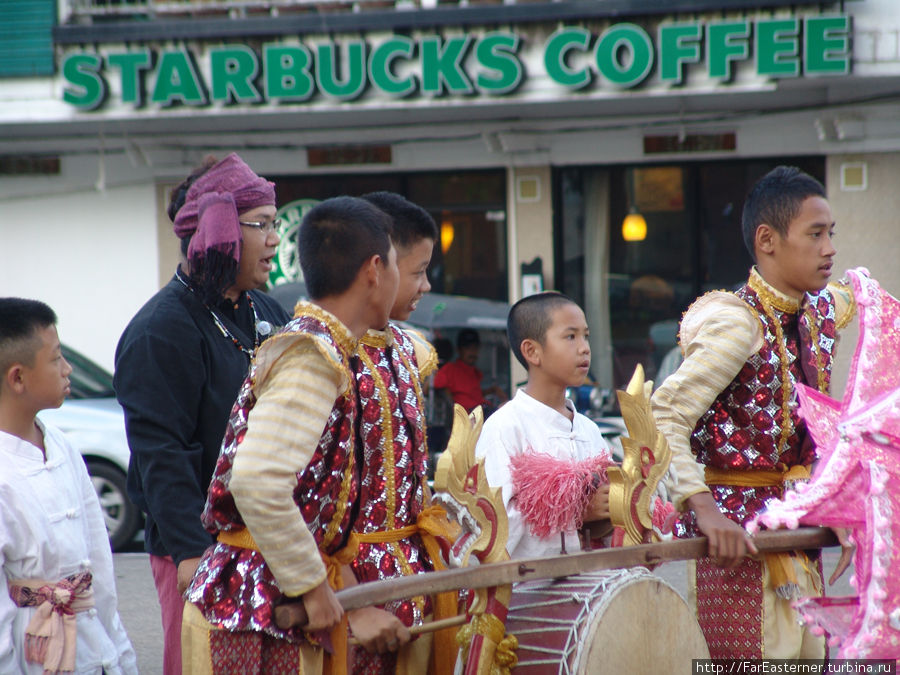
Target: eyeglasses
268	226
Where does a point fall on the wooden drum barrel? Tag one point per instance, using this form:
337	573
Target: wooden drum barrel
620	621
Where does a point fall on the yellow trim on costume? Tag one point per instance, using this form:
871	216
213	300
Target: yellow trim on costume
821	384
842	291
782	574
387	434
420	395
389	466
744	478
346	343
341	334
239	538
387	536
782	577
341	506
426	354
770	298
428	523
375	338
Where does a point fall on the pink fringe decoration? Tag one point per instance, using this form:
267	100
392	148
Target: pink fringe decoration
663	516
36	648
552	494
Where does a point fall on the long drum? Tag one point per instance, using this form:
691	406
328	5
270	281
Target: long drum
620	621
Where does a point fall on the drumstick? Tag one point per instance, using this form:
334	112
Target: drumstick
429	627
292	614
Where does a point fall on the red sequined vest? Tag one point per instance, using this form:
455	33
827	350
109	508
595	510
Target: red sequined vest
754	424
392	432
328	486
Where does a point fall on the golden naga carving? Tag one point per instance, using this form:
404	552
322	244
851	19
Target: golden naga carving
633	485
461	487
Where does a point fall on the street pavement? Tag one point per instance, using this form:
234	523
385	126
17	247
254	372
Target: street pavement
139	607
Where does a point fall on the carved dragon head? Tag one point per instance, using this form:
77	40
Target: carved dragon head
461	487
633	486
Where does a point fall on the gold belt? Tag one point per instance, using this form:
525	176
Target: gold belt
782	577
764	478
240	538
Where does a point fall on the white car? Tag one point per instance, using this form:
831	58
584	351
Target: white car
95	424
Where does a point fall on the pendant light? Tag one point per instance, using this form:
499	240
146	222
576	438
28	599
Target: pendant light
634	227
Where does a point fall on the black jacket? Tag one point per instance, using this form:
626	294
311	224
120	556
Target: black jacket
177	376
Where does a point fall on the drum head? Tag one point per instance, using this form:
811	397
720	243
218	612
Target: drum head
645	627
604	623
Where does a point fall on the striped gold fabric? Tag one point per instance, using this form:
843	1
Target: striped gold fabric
283	431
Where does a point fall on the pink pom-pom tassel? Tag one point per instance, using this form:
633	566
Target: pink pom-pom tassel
552	494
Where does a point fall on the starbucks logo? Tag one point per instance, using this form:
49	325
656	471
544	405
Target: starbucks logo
286	263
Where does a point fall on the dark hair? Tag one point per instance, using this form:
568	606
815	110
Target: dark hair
412	223
467	337
444	349
530	318
20	320
775	200
178	194
336	238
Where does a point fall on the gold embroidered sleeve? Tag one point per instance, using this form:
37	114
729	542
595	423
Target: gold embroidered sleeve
283	431
718	335
844	303
426	356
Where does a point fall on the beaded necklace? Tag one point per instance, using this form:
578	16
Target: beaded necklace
769	301
258	326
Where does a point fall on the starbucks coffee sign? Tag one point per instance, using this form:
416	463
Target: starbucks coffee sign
623	56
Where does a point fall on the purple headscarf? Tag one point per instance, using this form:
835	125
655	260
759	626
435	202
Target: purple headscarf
210	217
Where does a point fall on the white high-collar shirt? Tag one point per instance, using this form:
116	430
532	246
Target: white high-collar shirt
522	424
51	527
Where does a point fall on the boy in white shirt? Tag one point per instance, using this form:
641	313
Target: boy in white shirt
549	336
60	589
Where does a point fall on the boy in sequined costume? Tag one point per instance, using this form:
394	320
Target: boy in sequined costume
730	417
285	493
395	525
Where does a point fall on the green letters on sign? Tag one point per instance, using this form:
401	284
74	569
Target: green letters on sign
726	41
287	75
353	59
778	47
83	72
556	55
827	45
233	70
380	66
442	66
633	68
177	80
679	43
497	52
466	61
130	65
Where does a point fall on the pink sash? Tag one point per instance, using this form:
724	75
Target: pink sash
51	634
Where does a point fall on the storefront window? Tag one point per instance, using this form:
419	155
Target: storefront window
468	207
636	278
